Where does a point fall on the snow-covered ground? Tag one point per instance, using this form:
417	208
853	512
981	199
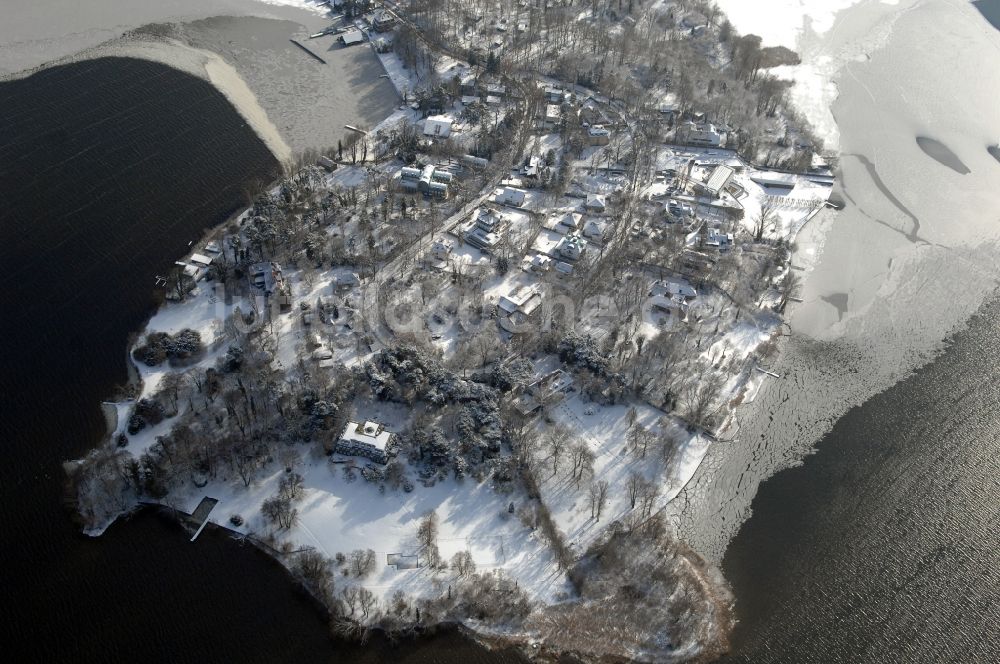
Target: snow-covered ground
321	9
812	29
782	22
339	516
604	429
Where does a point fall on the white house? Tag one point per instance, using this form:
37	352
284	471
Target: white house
518	307
350	37
441	249
704	134
571	247
266	276
596	202
201	260
368	440
671	287
598	135
346	280
510	196
563	269
553	114
438	126
533	167
719	240
568	223
489	220
594	230
483	240
538	263
554	95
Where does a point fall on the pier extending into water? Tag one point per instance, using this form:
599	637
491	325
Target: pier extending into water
304	48
200	514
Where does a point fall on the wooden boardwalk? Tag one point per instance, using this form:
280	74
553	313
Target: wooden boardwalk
303	47
200	514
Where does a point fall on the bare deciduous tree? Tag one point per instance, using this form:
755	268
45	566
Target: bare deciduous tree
362	562
598	498
463	564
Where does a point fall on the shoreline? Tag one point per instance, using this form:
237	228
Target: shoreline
877	304
201	63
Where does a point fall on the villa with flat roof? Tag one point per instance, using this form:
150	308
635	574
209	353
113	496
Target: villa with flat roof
368	440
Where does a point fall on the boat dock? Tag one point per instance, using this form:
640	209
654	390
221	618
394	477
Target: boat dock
201	513
303	47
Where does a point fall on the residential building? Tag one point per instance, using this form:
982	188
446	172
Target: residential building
539	263
351	37
441	249
383	21
438	126
675	304
346	280
266	277
567	223
563	269
571	247
533	168
596	202
369	440
594	230
672	287
719	240
598	135
704	134
553	114
489	220
482	240
554	95
510	196
517	308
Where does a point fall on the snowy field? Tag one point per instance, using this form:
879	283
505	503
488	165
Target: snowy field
338	516
603	429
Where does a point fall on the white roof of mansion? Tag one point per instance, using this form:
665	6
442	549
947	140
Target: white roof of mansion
369	433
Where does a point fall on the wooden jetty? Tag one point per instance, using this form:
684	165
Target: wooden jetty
766	372
201	513
303	47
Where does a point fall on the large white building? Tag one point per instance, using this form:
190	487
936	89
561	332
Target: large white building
369	440
438	126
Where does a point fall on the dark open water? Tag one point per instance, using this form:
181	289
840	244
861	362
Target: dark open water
884	546
108	169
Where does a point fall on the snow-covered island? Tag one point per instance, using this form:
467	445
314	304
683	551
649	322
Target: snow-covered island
455	370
